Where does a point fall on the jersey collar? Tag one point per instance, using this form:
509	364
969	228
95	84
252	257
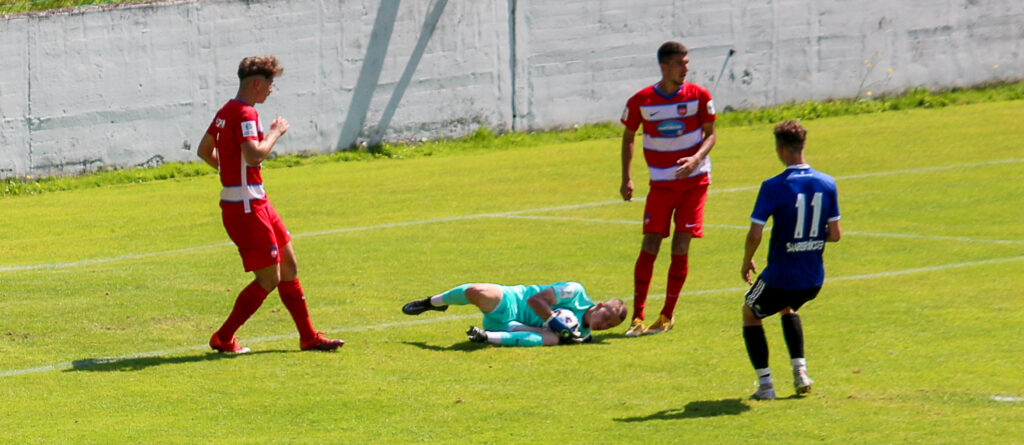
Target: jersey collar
658	91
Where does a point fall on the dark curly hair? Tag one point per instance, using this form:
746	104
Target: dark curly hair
266	66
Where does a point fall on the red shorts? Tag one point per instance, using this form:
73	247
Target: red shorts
687	204
259	235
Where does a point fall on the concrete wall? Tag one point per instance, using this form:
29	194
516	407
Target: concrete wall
137	84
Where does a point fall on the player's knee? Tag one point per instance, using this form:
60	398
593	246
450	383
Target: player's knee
749	319
289	271
651	244
268	280
474	291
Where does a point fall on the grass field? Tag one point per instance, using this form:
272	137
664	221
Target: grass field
108	296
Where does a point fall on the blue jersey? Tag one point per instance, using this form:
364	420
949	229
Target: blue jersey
801	202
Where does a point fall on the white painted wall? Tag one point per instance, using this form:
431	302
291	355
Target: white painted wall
138	83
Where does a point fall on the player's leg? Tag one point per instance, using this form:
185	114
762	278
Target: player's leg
756	342
255	241
643	271
482	295
531	337
294	299
793	332
657	220
689	222
292	296
246	304
677	271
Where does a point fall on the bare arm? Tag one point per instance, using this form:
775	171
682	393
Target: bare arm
255	152
688	164
628	140
753	241
833	232
541	303
207	151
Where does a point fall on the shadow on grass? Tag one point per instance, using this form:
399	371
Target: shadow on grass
469	346
695	410
466	346
140	363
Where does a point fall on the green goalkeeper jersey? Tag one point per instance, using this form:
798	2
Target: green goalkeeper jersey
514	310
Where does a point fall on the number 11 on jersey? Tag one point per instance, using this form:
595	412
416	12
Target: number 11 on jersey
801	211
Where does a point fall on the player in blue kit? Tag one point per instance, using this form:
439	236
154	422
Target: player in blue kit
803	205
525	315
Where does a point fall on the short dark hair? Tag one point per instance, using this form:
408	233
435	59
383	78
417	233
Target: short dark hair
669	49
266	66
791	135
620	308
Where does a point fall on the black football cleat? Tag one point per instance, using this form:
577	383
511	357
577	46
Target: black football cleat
417	307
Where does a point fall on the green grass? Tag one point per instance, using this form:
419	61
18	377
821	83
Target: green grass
913	334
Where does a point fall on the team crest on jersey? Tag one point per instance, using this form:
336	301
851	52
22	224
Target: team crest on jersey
273	251
682	109
220	123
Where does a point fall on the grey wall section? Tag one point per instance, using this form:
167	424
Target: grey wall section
579	61
137	84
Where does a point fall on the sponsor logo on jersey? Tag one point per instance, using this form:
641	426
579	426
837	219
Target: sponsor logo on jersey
249	129
805	246
671	128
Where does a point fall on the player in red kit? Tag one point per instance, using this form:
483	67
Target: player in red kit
236	145
678	120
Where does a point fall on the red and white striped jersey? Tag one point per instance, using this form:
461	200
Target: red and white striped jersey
235	123
673	129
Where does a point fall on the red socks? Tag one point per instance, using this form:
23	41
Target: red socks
246	304
295	301
676	277
642	273
642	282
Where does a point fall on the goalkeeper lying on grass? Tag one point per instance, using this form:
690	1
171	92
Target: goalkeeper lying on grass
526	315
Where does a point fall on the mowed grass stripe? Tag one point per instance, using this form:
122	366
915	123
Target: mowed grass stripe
443	319
519	213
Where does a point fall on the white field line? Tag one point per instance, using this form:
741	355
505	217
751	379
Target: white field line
513	213
726	226
88	363
300	235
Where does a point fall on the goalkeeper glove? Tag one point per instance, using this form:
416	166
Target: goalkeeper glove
564	333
